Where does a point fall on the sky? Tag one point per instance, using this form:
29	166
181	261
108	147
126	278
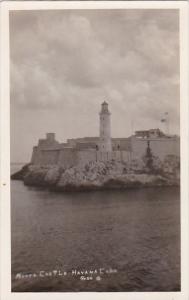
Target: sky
65	63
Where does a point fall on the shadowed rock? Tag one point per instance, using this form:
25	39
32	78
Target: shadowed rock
100	175
21	174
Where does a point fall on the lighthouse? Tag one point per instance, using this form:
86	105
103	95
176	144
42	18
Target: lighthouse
105	128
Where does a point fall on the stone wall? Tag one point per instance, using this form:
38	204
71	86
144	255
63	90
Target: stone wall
160	147
67	157
49	157
84	156
136	149
34	157
74	142
38	157
121	144
114	155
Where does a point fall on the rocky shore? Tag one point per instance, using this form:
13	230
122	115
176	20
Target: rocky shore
101	175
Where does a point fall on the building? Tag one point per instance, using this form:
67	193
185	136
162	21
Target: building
80	151
151	133
105	144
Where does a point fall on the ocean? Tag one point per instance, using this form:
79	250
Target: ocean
104	241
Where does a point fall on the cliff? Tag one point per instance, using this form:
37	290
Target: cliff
102	175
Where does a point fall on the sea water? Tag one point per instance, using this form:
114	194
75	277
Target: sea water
127	240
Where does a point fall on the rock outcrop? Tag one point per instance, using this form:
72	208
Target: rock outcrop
21	173
101	175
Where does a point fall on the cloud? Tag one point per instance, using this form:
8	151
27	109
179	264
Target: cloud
67	62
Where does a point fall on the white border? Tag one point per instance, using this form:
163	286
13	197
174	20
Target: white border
5	147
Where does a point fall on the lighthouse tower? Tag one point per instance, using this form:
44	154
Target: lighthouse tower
105	129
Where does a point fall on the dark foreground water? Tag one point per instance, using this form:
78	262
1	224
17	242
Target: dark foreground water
129	239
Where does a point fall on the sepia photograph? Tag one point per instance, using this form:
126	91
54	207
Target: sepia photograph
95	139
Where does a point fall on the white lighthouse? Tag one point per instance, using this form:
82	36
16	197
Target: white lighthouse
105	129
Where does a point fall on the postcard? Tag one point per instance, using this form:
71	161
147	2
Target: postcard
94	150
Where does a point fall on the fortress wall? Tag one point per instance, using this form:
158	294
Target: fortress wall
114	155
85	156
42	156
34	155
46	152
167	147
44	143
49	157
63	145
123	144
159	147
103	156
37	156
139	147
67	157
87	145
126	156
71	142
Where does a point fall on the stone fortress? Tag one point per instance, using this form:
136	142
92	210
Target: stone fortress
80	151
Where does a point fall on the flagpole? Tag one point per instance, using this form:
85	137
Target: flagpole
132	128
167	122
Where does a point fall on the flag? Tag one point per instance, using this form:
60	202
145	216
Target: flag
163	120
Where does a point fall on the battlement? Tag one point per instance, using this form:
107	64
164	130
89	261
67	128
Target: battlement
50	136
48	142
